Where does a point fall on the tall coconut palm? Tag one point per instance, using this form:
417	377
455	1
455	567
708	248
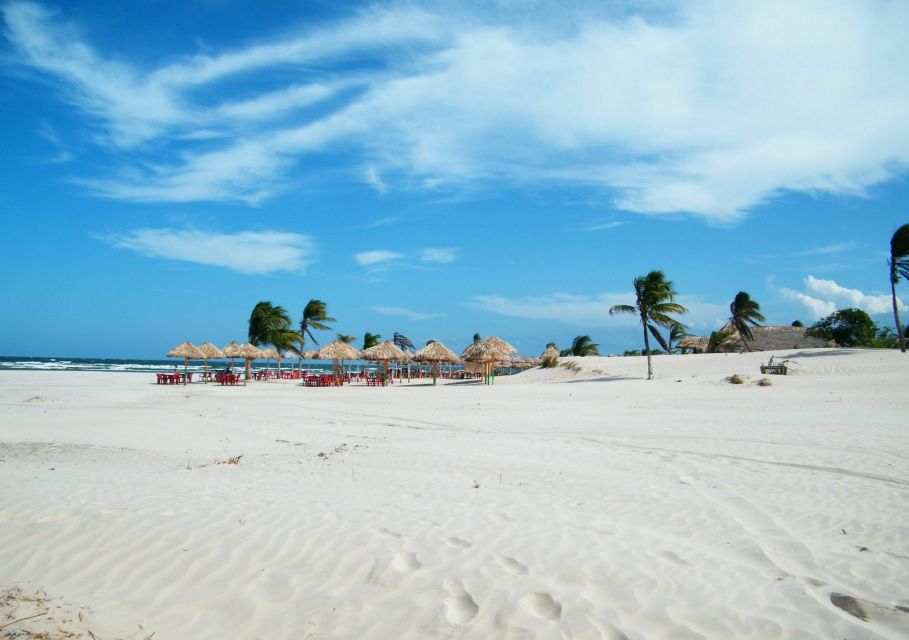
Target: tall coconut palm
371	339
315	316
899	266
745	311
477	337
343	337
584	346
654	300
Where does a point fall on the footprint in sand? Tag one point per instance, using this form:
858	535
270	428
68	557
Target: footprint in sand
460	607
511	565
406	562
458	542
893	619
541	605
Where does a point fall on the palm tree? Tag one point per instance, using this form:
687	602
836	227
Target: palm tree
676	333
269	324
584	346
477	337
899	266
371	339
343	337
403	342
654	297
315	317
745	311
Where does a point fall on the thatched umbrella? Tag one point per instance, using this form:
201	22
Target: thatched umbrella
488	352
435	353
337	351
186	351
271	354
249	352
210	351
386	352
232	351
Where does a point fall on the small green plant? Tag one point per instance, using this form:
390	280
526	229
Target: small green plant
550	362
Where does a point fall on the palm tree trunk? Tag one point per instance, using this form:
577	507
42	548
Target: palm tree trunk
896	316
647	351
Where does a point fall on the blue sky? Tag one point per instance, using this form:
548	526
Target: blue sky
442	169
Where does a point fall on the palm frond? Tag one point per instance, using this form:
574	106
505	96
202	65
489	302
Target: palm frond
623	308
659	338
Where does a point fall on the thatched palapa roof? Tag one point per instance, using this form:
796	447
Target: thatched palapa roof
186	350
249	351
337	350
232	350
211	351
767	338
271	354
435	352
387	351
311	354
491	349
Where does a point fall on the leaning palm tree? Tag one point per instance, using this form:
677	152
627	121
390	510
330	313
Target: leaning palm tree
315	316
371	340
899	266
745	311
584	346
269	324
403	342
654	297
676	333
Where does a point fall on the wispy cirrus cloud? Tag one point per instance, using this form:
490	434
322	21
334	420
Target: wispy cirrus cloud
248	252
823	297
383	259
415	316
378	256
705	110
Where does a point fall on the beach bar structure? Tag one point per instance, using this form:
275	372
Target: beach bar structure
488	352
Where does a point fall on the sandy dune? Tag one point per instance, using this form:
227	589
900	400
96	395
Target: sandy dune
555	504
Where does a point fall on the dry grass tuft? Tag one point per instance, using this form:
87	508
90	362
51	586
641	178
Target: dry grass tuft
736	379
765	382
572	366
233	460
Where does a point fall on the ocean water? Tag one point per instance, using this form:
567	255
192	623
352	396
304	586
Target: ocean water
134	365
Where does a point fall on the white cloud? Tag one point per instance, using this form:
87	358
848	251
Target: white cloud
439	256
249	252
367	258
382	259
381	222
373	179
415	316
712	109
593	310
826	296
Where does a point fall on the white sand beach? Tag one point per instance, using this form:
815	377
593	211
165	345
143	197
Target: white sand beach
554	504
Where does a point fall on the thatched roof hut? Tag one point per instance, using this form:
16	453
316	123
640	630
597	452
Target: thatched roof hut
249	351
388	351
767	338
435	352
271	354
491	349
232	350
337	350
187	350
211	351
